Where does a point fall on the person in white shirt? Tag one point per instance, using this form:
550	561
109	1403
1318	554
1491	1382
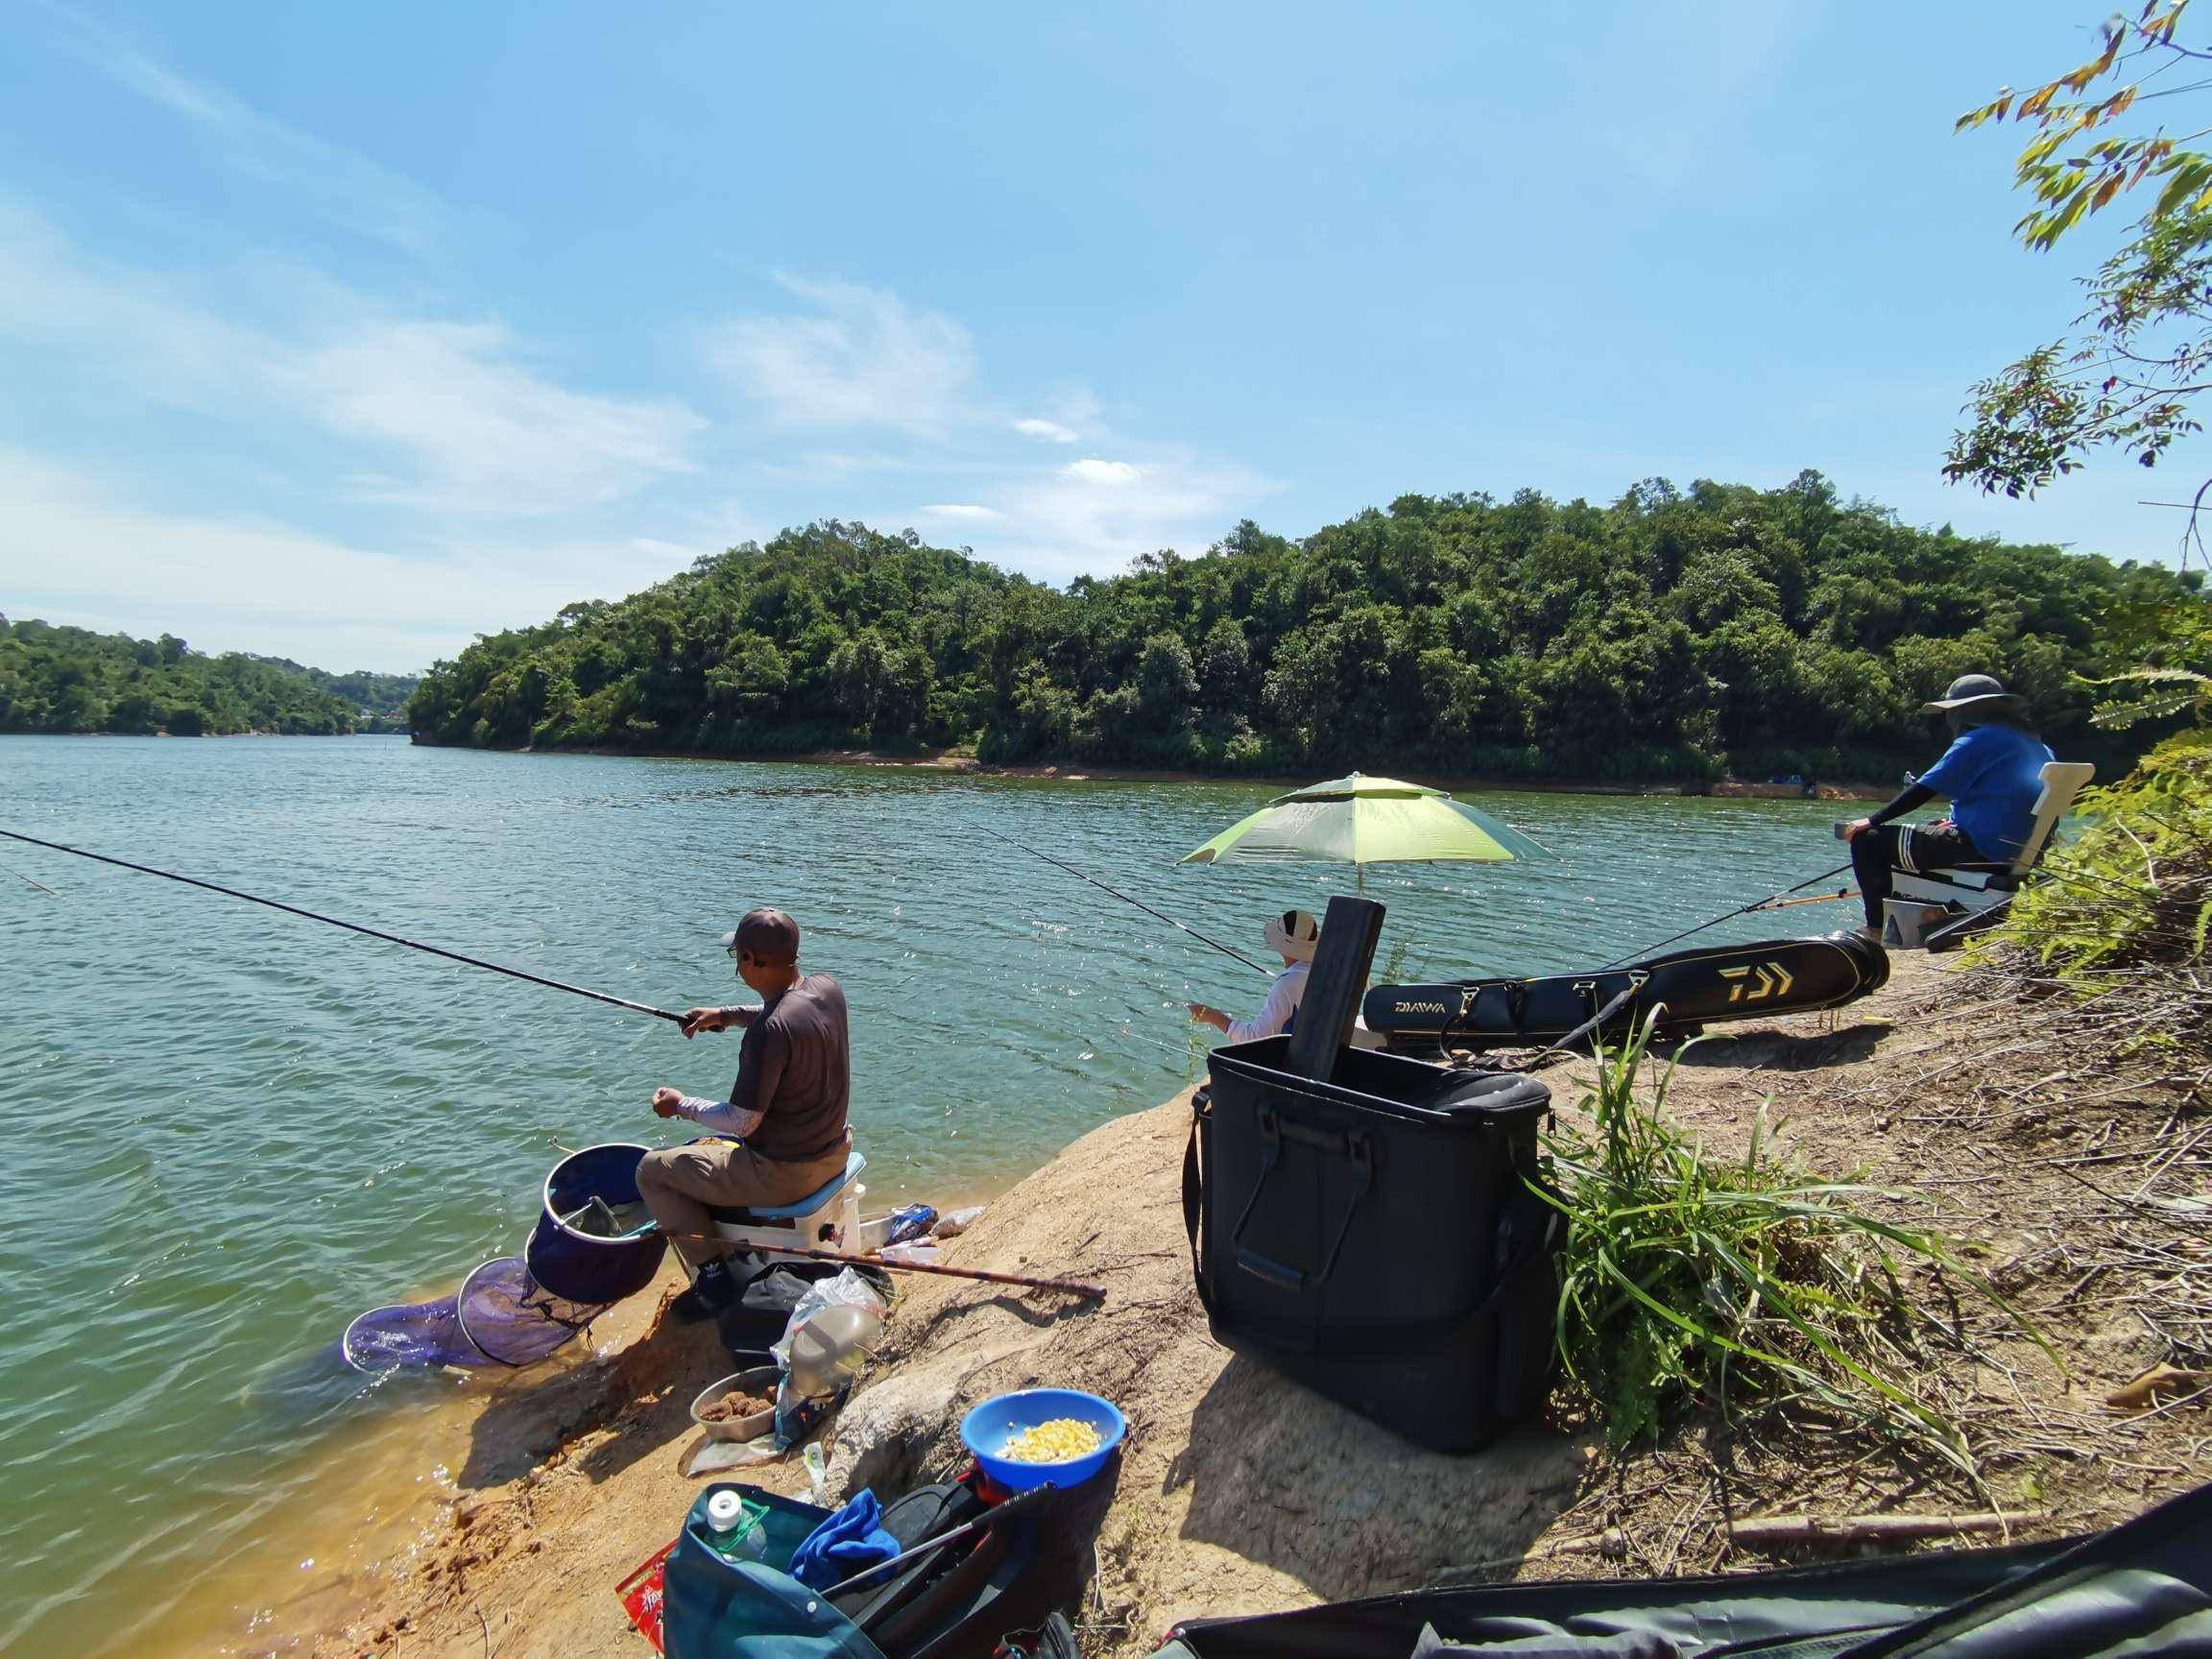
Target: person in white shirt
1293	936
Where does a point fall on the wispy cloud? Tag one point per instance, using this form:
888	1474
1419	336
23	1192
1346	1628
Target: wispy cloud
485	432
452	406
960	512
80	548
336	183
1052	431
860	357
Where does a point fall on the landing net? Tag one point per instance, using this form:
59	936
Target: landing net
501	1317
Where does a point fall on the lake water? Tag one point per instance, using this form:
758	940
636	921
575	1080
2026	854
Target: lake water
227	1131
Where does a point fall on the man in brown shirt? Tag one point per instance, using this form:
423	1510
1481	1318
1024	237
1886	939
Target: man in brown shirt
781	1133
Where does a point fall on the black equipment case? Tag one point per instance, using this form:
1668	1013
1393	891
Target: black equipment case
1372	1232
1699	988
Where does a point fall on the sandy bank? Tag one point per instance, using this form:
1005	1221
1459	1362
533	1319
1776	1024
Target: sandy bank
1240	1492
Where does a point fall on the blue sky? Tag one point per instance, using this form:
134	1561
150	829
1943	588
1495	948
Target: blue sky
347	333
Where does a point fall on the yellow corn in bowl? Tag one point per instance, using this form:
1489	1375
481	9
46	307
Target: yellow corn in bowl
1061	1440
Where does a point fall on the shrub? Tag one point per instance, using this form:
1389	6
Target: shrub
2134	887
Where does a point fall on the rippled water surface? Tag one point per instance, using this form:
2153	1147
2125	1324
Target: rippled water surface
227	1131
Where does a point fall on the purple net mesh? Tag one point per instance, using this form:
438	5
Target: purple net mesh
512	1320
502	1317
419	1334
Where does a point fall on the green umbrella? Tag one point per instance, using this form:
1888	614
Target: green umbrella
1363	821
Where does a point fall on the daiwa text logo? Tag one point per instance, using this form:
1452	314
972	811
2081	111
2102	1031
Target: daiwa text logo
1774	980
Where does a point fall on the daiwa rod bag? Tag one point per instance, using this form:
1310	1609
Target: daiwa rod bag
1372	1234
1700	987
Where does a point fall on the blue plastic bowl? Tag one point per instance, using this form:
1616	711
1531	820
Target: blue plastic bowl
987	1426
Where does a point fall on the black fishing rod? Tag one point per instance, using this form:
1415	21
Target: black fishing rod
350	926
1126	900
1767	903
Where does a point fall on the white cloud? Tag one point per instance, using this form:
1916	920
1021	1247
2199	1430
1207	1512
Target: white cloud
863	358
965	510
1093	517
340	185
1113	473
470	428
79	550
1052	431
483	431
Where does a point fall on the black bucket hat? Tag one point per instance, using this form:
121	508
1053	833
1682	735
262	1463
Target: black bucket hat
1976	694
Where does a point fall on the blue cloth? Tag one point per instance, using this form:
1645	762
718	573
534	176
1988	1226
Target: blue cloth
1991	774
849	1541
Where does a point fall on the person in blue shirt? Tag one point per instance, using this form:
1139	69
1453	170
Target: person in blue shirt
1991	774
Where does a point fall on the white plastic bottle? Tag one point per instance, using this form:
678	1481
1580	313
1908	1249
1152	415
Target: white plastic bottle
736	1534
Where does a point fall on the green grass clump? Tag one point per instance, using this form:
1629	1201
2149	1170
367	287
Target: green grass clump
1692	1281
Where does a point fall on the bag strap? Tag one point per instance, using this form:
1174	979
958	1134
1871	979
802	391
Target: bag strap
1194	1198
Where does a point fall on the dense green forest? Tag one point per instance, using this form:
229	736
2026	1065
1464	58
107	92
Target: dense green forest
379	701
70	679
1676	634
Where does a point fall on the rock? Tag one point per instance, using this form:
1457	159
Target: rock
883	1431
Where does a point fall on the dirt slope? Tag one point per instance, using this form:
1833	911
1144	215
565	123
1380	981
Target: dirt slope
1240	1492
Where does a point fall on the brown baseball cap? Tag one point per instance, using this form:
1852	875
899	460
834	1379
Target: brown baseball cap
770	935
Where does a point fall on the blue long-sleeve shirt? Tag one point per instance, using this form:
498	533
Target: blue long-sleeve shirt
1992	776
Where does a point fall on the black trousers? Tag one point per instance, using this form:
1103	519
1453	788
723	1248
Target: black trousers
1888	848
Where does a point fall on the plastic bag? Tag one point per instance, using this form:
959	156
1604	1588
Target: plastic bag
954	1222
847	1291
715	1455
926	1252
801	1401
909	1221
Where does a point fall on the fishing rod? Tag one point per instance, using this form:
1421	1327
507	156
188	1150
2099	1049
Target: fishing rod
1072	1287
20	877
1126	900
1779	904
1766	903
350	926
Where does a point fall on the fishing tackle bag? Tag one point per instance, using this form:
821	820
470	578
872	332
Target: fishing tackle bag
1376	1235
1698	988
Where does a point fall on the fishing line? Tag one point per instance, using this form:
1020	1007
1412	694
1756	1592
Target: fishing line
1766	903
350	926
20	877
1126	900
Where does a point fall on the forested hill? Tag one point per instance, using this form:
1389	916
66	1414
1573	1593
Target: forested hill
63	680
377	698
1675	633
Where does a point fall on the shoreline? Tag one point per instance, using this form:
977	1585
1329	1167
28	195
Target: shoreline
1075	772
1240	1492
354	1516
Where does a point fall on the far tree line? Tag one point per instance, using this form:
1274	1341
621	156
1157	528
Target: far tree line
70	679
1675	634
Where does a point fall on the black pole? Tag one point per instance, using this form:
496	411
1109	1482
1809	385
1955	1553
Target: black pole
1126	900
350	926
1740	910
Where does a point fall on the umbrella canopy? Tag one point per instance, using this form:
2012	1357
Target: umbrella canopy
1363	821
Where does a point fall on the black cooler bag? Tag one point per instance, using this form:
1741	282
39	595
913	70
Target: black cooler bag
1374	1237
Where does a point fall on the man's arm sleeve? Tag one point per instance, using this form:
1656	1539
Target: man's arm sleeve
1911	796
1273	1015
722	1116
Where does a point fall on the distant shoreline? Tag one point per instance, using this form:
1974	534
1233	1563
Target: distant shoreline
1078	773
203	736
